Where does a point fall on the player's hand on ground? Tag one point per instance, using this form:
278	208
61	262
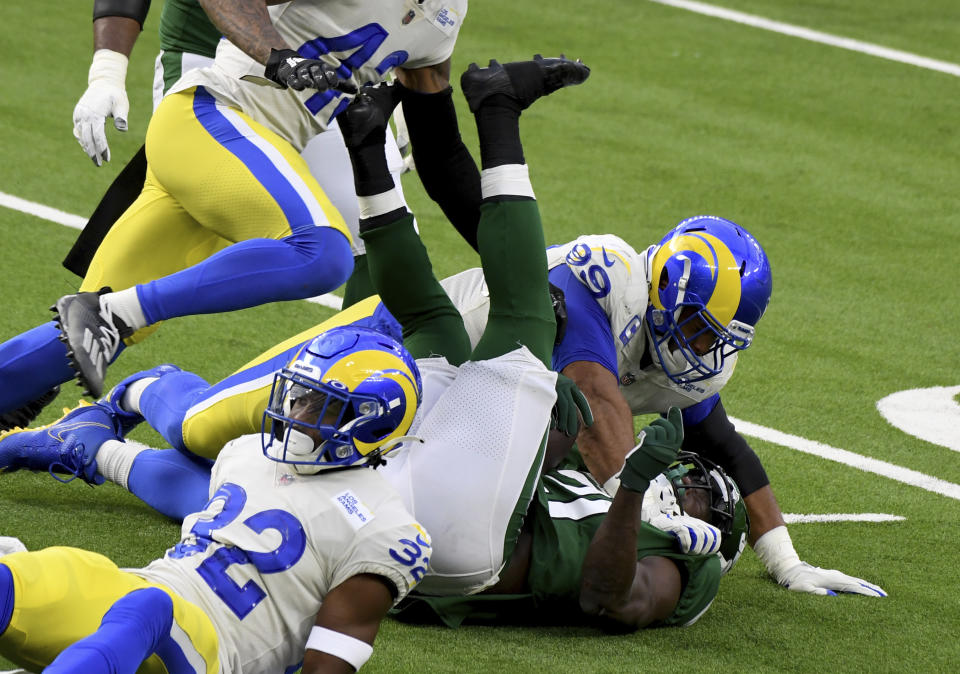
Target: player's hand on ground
106	96
694	536
288	69
657	448
813	579
570	408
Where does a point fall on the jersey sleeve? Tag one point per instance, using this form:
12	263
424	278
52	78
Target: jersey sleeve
400	553
446	16
588	335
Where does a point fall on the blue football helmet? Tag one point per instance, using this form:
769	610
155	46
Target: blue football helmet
709	276
347	399
725	507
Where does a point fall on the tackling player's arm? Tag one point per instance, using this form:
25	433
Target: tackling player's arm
447	170
247	24
347	624
604	444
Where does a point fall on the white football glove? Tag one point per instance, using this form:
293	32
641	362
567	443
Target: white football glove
813	579
694	536
106	96
775	550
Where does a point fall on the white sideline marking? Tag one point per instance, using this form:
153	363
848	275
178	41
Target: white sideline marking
793	518
41	211
864	463
76	222
815	36
930	414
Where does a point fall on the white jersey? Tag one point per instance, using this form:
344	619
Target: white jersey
619	278
364	39
270	544
469	482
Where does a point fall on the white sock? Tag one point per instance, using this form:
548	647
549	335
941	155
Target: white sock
126	306
378	204
131	397
115	460
509	179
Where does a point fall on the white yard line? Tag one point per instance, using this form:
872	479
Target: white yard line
858	461
792	518
814	36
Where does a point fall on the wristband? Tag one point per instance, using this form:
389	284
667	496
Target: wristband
110	66
775	550
351	650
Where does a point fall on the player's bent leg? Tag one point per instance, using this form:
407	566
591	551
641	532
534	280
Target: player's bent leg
399	265
129	633
31	364
484	467
61	595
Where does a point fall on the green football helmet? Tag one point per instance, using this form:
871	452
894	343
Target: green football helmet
727	510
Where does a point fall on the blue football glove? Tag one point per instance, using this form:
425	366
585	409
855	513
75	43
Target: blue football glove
657	448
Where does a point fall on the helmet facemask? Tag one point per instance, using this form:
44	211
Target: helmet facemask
710	285
347	399
726	509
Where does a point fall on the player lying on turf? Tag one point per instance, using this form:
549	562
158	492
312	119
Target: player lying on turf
289	561
487	417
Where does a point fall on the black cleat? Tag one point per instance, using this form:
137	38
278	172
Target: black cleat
521	81
92	337
369	113
24	416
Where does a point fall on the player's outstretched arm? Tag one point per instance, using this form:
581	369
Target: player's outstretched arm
346	625
776	552
616	588
116	28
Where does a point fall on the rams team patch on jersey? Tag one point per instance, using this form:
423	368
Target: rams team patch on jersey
357	514
446	19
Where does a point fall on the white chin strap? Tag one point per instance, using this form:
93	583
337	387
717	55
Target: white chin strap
300	446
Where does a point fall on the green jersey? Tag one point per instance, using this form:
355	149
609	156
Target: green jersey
184	27
568	509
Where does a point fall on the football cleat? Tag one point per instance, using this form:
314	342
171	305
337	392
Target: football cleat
522	81
126	421
24	416
68	445
369	113
92	337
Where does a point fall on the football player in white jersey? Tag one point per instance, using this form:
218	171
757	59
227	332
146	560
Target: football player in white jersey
486	408
278	217
295	559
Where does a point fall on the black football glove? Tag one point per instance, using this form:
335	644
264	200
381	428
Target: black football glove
658	447
288	69
570	407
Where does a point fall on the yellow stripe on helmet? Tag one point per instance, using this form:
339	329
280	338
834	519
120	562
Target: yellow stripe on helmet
725	299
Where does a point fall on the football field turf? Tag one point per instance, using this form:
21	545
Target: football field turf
843	162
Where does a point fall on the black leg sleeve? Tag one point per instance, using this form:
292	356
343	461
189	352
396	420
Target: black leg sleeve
717	439
449	174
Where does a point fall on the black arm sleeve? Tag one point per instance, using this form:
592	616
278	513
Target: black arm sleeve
132	9
449	174
717	439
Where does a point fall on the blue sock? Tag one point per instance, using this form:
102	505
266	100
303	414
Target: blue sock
130	632
31	364
311	261
6	596
171	482
165	402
